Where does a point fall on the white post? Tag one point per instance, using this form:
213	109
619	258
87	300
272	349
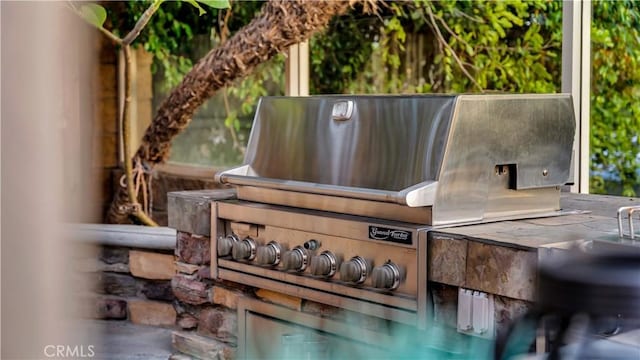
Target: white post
576	80
297	70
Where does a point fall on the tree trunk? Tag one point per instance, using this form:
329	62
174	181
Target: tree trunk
281	23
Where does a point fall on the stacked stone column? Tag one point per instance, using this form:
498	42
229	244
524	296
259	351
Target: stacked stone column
206	308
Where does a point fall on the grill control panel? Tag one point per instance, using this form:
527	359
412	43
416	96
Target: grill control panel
306	259
332	259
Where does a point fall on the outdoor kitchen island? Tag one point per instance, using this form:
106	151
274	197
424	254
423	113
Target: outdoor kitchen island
496	261
369	226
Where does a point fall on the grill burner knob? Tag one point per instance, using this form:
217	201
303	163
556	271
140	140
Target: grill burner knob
225	244
386	276
269	254
311	244
244	250
324	264
355	270
295	259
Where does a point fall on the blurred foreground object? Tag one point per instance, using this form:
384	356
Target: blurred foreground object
46	177
587	309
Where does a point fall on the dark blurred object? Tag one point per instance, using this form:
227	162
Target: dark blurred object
588	308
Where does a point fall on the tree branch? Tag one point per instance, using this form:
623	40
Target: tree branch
464	14
451	32
142	22
441	39
281	24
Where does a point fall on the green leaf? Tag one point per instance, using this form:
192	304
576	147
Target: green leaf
95	14
197	6
216	4
514	19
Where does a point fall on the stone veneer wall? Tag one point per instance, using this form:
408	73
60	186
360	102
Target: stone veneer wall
131	284
206	308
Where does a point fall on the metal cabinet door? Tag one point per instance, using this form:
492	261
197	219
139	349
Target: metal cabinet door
270	338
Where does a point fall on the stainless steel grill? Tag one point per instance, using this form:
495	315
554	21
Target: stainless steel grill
445	159
337	194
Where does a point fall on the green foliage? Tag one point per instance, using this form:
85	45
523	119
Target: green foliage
506	46
440	46
94	14
615	90
169	33
509	46
163	36
195	4
216	4
339	53
174	36
462	46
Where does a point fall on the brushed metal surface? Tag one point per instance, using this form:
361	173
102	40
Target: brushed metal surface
343	302
345	249
260	326
217	230
533	132
312	221
328	288
337	204
388	143
423	271
441	151
345	236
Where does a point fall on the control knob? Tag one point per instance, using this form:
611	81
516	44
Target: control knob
269	254
295	259
311	244
225	244
386	276
324	264
355	270
244	250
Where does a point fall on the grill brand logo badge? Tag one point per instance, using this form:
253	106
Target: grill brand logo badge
388	234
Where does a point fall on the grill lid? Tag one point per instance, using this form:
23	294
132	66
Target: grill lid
460	154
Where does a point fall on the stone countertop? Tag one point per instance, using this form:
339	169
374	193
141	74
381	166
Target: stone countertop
501	258
190	211
598	225
498	258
